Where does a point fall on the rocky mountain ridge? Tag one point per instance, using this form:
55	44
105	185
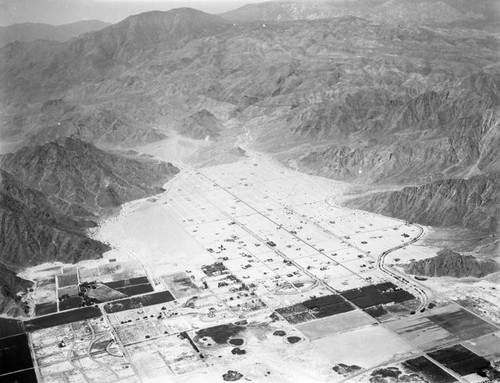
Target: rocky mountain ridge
419	12
473	203
448	263
80	177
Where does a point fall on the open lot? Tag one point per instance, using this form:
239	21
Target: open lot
366	347
487	346
335	324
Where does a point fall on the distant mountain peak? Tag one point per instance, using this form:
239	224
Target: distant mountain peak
179	22
143	32
36	31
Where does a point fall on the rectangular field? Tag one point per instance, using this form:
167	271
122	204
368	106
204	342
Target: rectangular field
137	302
430	371
462	323
135	289
14	354
9	327
45	308
335	324
65	280
374	295
127	282
70	303
62	318
329	305
487	346
422	332
461	360
363	347
25	376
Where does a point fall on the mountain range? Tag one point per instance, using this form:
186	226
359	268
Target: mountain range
418	12
36	31
397	95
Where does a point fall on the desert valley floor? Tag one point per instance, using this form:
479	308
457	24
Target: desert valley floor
249	271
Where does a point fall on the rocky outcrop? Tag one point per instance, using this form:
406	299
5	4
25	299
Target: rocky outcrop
200	125
448	263
472	203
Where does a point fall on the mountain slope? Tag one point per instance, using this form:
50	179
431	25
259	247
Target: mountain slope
98	124
76	175
473	203
33	231
11	290
35	31
122	45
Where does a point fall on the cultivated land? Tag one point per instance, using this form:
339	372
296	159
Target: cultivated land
253	268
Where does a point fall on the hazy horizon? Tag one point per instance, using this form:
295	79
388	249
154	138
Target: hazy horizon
58	12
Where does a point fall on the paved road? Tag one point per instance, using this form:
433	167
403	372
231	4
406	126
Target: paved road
424	298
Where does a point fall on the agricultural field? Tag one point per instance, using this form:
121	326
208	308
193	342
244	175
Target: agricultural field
419	369
59	288
14	355
249	271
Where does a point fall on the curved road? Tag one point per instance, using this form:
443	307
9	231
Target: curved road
424	298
